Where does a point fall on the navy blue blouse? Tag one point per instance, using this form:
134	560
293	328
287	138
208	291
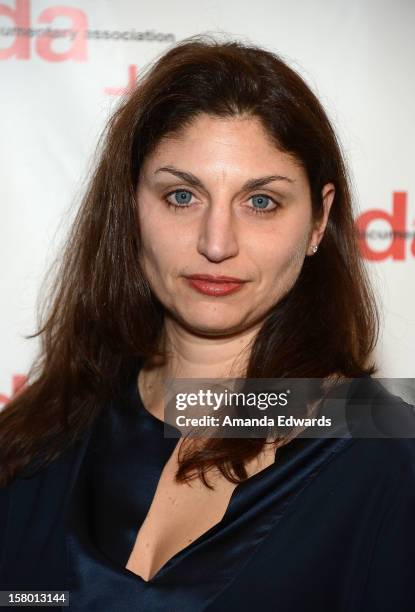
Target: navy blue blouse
330	526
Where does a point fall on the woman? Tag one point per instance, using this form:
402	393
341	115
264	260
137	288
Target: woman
216	239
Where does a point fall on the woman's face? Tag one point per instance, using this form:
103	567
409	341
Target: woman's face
220	199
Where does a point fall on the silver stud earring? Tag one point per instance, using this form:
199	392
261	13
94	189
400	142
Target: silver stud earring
314	248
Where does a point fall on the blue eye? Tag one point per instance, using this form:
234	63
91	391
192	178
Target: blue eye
260	201
181	196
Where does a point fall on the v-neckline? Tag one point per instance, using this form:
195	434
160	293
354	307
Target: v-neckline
204	567
174	559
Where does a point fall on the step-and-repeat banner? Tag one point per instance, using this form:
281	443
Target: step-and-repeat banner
64	66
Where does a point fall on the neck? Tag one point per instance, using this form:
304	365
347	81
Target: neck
190	355
196	356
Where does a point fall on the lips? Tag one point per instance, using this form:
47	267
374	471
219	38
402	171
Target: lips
216	279
215	286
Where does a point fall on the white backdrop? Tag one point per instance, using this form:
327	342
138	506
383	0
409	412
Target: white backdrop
64	66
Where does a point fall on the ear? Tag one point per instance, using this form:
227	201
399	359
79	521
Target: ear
327	195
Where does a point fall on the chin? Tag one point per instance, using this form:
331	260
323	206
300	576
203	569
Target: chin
211	326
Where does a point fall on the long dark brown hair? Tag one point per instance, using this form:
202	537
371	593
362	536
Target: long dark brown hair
101	316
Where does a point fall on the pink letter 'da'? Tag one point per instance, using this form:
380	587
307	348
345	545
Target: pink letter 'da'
397	223
20	18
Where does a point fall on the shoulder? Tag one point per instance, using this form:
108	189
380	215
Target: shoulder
382	423
372	452
380	462
379	457
32	512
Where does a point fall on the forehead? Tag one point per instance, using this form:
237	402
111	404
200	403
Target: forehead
241	141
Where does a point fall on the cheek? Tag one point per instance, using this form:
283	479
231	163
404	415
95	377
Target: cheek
281	261
163	252
154	258
153	233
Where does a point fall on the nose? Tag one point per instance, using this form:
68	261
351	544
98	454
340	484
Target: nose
217	239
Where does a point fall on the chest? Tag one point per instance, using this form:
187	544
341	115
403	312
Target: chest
180	513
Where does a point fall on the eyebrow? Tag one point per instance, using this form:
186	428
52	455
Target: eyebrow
253	183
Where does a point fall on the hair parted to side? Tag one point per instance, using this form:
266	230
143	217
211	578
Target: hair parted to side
102	317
